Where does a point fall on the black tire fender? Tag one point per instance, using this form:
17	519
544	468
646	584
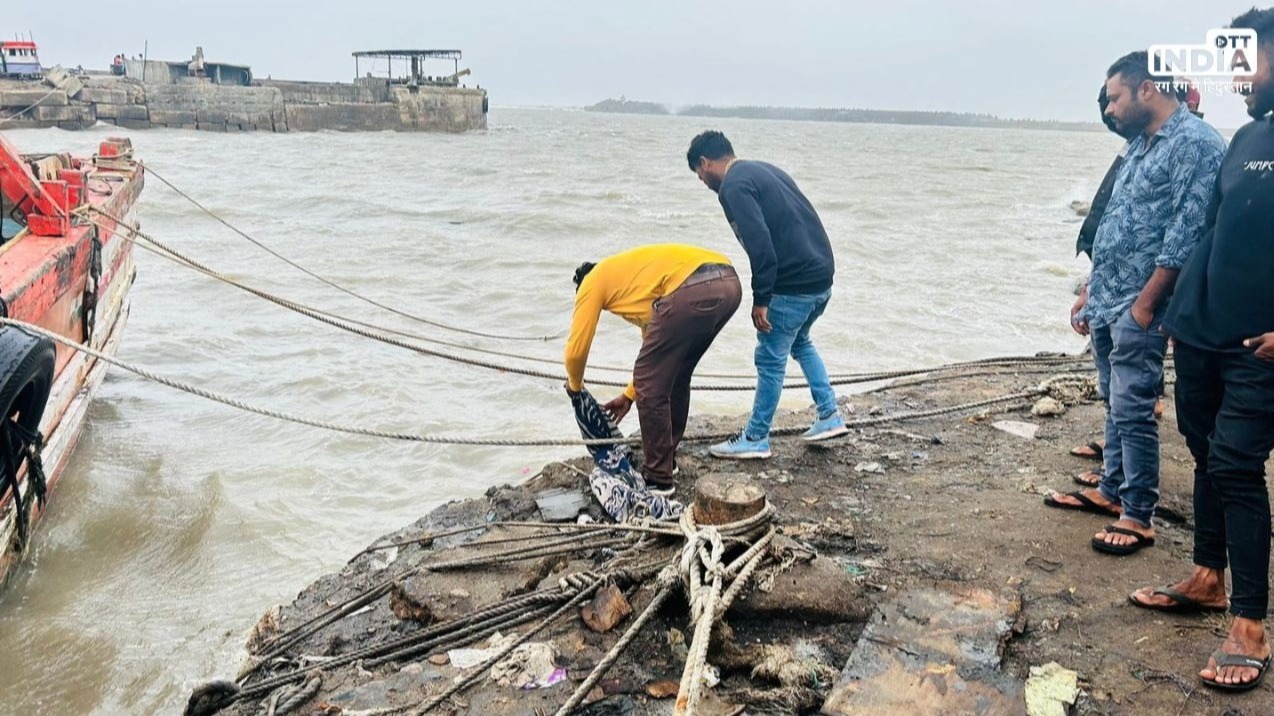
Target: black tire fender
27	363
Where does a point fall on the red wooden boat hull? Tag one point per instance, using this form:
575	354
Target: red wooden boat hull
44	272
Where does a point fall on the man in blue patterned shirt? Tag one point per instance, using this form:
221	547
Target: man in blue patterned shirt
1155	217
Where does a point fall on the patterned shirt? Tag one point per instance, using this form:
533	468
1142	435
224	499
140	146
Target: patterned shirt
1156	213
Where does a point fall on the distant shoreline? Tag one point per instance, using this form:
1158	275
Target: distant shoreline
849	116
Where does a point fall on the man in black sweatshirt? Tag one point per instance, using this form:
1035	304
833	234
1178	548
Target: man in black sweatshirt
792	268
1222	317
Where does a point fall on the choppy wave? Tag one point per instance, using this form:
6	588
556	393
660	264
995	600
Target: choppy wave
204	516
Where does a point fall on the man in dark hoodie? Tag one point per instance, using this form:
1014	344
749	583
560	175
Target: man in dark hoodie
792	268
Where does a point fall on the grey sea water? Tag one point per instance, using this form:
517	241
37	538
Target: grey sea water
180	521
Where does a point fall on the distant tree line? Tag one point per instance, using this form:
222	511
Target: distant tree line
866	116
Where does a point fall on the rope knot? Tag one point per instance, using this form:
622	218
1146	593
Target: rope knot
668	576
1069	388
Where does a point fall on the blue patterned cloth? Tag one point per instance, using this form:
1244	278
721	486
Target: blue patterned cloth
1156	213
616	484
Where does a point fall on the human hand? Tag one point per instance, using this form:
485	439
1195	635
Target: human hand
1263	346
1142	316
618	408
1079	325
760	318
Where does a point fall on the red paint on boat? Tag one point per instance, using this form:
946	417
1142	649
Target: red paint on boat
44	273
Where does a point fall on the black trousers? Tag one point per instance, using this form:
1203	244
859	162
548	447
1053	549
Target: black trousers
1225	410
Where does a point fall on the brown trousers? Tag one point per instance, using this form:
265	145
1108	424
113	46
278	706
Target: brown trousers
683	325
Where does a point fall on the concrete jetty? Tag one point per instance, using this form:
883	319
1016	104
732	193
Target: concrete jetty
914	571
80	100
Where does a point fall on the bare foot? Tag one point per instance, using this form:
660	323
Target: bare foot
1122	540
1205	586
1247	638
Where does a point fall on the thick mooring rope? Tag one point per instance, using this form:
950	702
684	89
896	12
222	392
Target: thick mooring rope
705	575
339	287
666	582
466	681
1044	388
378	333
550	361
28	108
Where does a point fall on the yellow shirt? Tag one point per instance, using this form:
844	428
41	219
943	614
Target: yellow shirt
627	285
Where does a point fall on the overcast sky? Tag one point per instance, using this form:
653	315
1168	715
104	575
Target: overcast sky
1020	58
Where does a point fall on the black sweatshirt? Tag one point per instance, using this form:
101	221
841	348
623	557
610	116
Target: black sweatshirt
1097	209
780	230
1225	293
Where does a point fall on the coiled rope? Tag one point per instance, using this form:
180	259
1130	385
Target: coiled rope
699	569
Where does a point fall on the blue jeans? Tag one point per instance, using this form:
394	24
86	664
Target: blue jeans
1129	362
791	318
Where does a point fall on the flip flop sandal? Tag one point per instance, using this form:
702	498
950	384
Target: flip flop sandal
1096	479
1086	505
1181	604
1139	543
1096	451
1224	659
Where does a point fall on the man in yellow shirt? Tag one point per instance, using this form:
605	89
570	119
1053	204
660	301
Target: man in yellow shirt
681	297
